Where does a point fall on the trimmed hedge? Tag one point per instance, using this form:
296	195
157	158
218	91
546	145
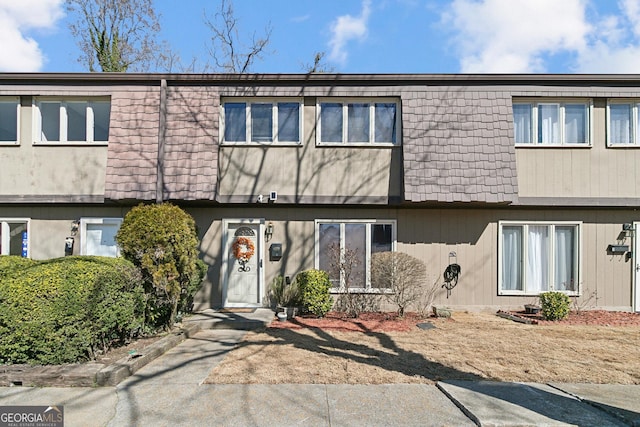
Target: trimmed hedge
555	305
63	310
10	264
162	241
314	287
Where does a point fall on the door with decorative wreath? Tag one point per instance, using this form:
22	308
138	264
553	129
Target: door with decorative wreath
242	263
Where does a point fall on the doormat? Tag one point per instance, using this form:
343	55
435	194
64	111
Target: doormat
237	310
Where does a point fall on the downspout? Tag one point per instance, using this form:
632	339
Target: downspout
162	130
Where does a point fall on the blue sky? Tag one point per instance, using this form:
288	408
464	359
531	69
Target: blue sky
368	36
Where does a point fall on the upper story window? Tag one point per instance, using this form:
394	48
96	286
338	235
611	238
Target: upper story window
71	120
262	121
552	123
622	123
9	119
358	121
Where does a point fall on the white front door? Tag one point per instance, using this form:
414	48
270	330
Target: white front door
242	263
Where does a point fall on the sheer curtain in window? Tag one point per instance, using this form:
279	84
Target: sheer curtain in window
575	123
549	123
537	259
565	259
619	124
522	114
512	258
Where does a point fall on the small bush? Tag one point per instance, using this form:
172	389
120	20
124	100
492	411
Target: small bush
314	288
162	241
403	275
64	310
555	305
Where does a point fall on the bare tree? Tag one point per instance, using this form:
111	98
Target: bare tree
117	35
229	53
401	274
318	66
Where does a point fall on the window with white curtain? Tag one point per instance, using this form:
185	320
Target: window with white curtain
260	120
623	123
552	123
358	121
98	236
71	120
344	249
538	257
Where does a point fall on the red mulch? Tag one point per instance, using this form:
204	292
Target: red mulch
366	322
390	322
598	318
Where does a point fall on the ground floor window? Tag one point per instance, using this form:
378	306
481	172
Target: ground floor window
539	257
14	236
344	249
98	236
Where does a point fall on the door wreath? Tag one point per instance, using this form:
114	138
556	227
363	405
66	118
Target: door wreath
243	249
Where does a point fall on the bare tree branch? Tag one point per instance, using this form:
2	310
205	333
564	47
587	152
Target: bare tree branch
229	54
318	66
118	35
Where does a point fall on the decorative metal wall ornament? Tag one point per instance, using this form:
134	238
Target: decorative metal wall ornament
243	249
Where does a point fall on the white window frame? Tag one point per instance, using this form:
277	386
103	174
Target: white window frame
7	100
535	103
274	111
345	121
368	223
83	230
4	224
635	126
551	255
63	131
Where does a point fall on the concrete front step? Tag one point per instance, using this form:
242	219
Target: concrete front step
240	319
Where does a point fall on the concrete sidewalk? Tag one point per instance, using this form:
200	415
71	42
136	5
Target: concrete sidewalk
169	392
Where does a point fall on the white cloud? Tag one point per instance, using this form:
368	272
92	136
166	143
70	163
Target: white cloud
19	51
507	36
346	28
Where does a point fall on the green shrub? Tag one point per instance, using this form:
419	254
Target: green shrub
314	286
555	305
63	310
9	264
162	241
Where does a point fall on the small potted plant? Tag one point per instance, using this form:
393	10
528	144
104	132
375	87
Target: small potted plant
285	297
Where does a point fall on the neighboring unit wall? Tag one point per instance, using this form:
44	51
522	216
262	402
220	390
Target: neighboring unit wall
46	173
591	175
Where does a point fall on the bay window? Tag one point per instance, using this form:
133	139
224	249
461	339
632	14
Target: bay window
358	121
9	119
262	121
344	249
71	120
554	123
623	123
538	257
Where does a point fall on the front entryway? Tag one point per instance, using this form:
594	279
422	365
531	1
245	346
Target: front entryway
242	263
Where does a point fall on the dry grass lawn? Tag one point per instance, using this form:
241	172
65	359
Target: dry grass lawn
469	346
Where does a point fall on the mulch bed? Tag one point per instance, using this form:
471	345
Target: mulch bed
586	317
391	322
366	322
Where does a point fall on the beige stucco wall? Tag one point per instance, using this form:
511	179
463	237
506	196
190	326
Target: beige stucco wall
310	172
46	170
596	171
